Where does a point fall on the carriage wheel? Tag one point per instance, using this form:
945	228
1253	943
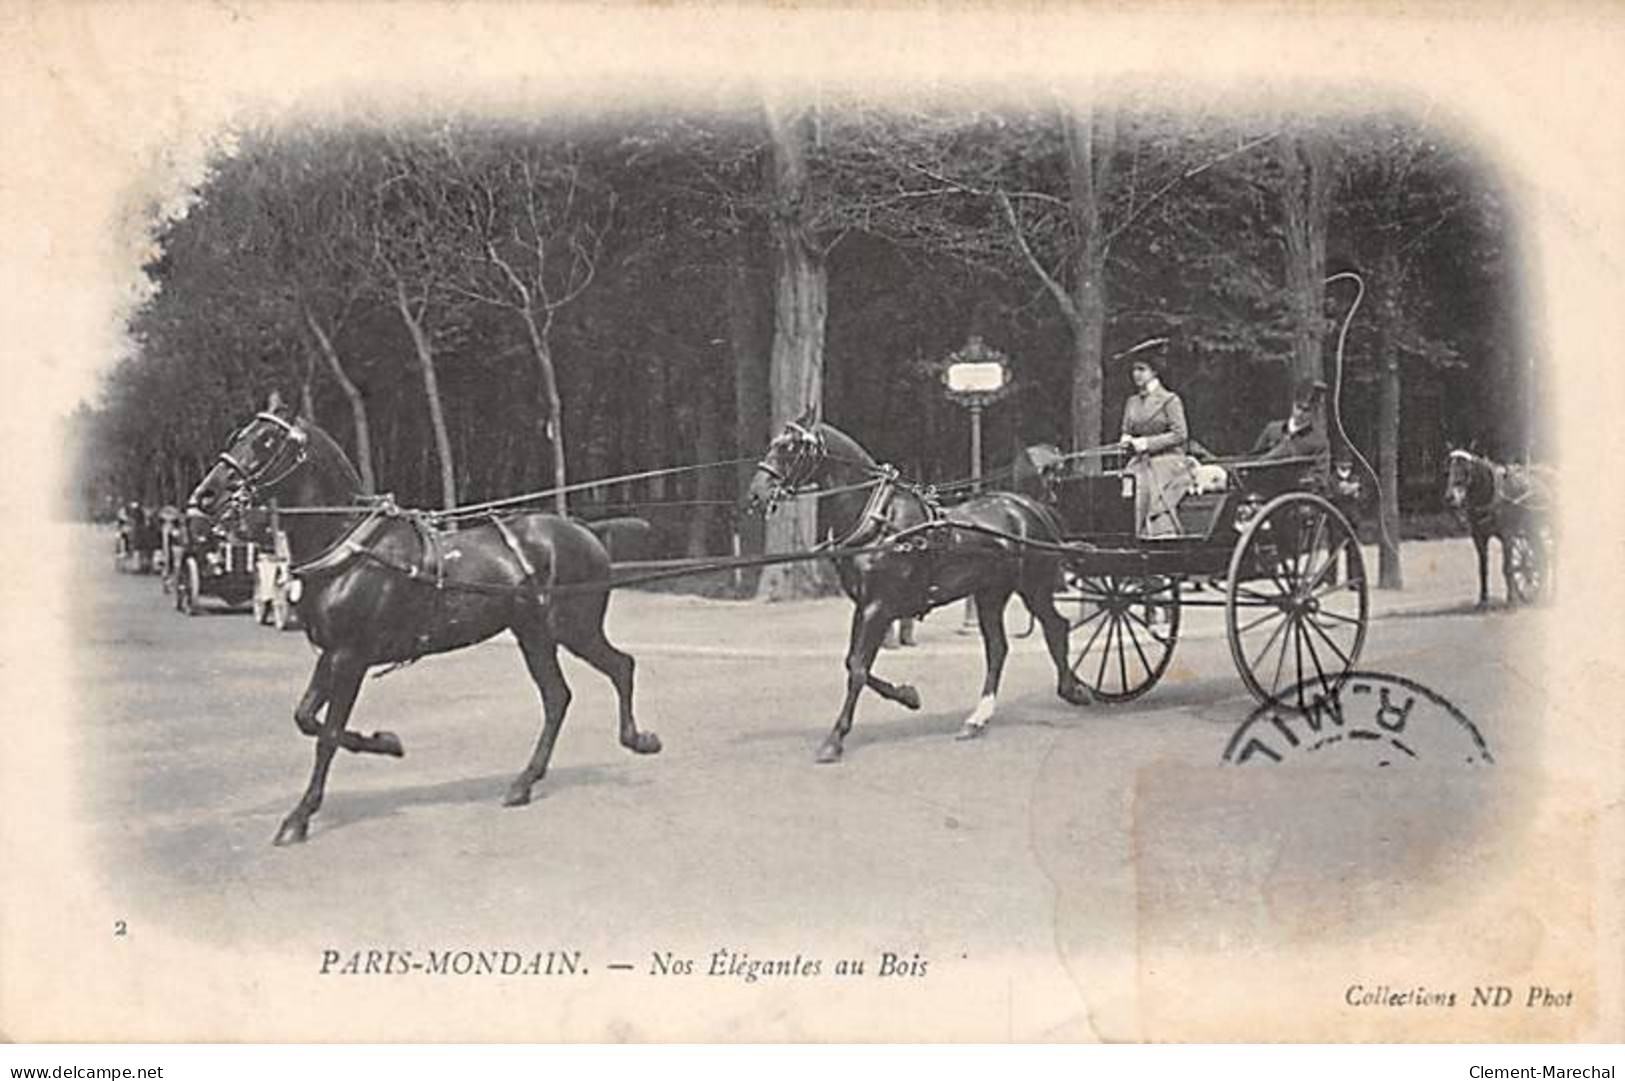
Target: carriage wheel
1295	624
1526	566
1128	627
186	588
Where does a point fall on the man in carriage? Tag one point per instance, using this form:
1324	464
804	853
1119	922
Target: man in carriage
1302	434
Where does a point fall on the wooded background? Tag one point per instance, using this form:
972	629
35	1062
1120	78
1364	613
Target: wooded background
477	309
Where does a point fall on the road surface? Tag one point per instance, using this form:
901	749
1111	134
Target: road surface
1067	876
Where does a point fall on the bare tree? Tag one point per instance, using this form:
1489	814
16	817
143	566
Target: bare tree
412	254
533	222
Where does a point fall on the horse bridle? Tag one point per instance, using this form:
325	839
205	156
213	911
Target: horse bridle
249	481
1472	464
805	448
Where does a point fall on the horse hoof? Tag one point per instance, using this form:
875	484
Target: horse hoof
389	743
829	753
1077	695
970	731
643	743
517	796
293	831
908	696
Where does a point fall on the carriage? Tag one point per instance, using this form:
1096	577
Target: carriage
212	563
1262	543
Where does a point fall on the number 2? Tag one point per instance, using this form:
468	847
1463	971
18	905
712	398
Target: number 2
120	929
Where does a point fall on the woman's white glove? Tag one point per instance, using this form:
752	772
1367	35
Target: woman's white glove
1136	443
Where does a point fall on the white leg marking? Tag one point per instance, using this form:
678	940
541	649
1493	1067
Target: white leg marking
983	711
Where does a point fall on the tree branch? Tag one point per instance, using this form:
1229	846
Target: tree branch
1062	298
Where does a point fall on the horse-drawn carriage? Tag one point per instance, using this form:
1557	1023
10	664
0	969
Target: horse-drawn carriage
1262	543
1513	503
211	562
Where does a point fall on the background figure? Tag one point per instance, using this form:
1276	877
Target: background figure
1154	431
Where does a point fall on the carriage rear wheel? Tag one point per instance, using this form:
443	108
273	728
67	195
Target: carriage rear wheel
1527	566
1128	627
1296	606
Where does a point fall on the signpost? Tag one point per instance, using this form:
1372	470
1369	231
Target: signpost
976	375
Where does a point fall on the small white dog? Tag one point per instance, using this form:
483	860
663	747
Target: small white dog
1208	478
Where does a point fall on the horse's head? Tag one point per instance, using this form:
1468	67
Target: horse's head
793	460
1458	479
260	457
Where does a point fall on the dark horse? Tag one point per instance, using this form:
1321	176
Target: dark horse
1509	503
383	586
918	566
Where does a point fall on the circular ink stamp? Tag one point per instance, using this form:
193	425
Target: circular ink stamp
1370	717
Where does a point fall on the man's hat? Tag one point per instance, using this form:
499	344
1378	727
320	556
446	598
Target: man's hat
1309	392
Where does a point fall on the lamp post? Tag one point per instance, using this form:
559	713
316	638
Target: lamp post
975	375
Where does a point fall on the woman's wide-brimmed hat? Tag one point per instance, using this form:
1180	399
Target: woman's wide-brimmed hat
1149	353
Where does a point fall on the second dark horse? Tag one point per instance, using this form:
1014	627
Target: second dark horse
977	551
383	586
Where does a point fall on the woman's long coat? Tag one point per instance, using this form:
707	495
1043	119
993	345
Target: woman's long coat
1162	474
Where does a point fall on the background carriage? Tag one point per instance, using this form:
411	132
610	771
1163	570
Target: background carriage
1268	548
211	563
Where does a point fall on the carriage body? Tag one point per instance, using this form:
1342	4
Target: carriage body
1267	547
212	564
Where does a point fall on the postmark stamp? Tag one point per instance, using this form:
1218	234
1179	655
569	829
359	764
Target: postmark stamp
1370	717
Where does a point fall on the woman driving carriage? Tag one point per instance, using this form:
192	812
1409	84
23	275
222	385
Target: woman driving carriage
1155	433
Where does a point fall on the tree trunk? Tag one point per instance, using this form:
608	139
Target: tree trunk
1305	198
431	390
707	448
352	394
553	410
800	303
1389	573
748	345
1090	139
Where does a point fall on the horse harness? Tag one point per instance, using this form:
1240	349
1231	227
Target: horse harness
929	541
430	569
1511	487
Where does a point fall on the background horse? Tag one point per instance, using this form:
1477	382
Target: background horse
1509	503
917	569
383	586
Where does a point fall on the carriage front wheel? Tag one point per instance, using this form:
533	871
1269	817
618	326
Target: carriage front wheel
1127	627
1296	606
